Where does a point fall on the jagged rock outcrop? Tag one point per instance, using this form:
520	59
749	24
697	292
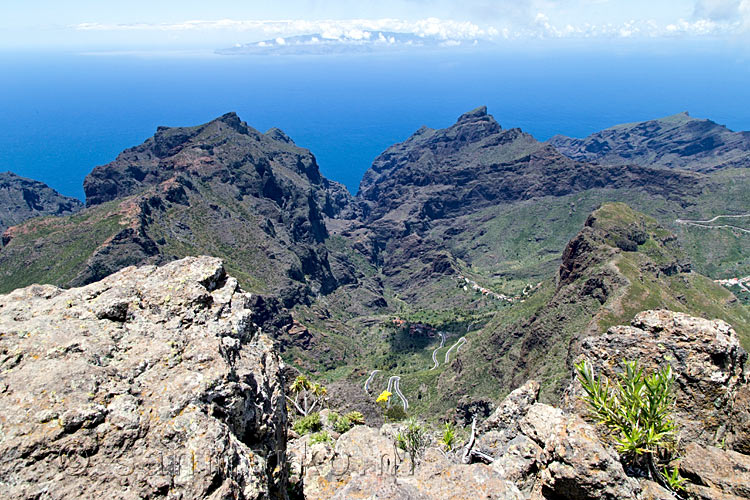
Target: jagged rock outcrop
714	473
251	161
22	199
678	141
537	451
365	463
152	383
709	363
475	163
222	188
448	200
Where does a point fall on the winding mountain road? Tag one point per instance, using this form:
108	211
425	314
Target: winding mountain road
708	224
394	380
369	381
434	353
455	346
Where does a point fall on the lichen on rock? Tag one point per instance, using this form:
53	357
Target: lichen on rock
153	382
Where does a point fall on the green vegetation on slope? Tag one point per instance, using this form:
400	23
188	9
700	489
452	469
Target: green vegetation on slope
54	250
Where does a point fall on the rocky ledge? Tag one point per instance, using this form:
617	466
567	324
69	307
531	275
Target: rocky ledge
530	450
151	383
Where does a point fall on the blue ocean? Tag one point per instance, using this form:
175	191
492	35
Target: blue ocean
63	114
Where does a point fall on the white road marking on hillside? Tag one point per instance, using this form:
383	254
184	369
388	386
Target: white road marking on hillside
455	346
397	390
369	380
708	224
434	353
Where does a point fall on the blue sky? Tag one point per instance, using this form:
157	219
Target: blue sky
102	25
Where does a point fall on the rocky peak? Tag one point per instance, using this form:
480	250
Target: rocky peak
278	135
221	188
614	228
677	141
474	114
22	199
225	149
153	381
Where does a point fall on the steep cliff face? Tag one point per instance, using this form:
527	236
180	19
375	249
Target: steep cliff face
444	201
22	199
225	150
678	141
437	174
221	188
152	383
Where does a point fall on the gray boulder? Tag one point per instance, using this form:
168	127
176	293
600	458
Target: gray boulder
151	383
708	361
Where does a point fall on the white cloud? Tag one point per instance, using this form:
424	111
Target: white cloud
351	28
711	18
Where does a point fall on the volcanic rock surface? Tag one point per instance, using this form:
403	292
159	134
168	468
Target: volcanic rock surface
152	383
709	364
678	141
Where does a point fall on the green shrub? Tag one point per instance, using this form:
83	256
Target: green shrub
395	413
449	436
674	480
342	425
637	410
321	437
356	418
308	424
413	440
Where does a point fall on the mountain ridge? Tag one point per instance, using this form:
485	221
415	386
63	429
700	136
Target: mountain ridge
22	199
471	203
676	141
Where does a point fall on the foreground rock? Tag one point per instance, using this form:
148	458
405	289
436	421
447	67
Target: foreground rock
151	383
536	451
527	449
715	473
711	383
364	463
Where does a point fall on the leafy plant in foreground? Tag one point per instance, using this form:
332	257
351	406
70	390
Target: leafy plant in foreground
321	437
674	480
307	395
355	417
413	440
340	424
449	436
637	410
307	424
